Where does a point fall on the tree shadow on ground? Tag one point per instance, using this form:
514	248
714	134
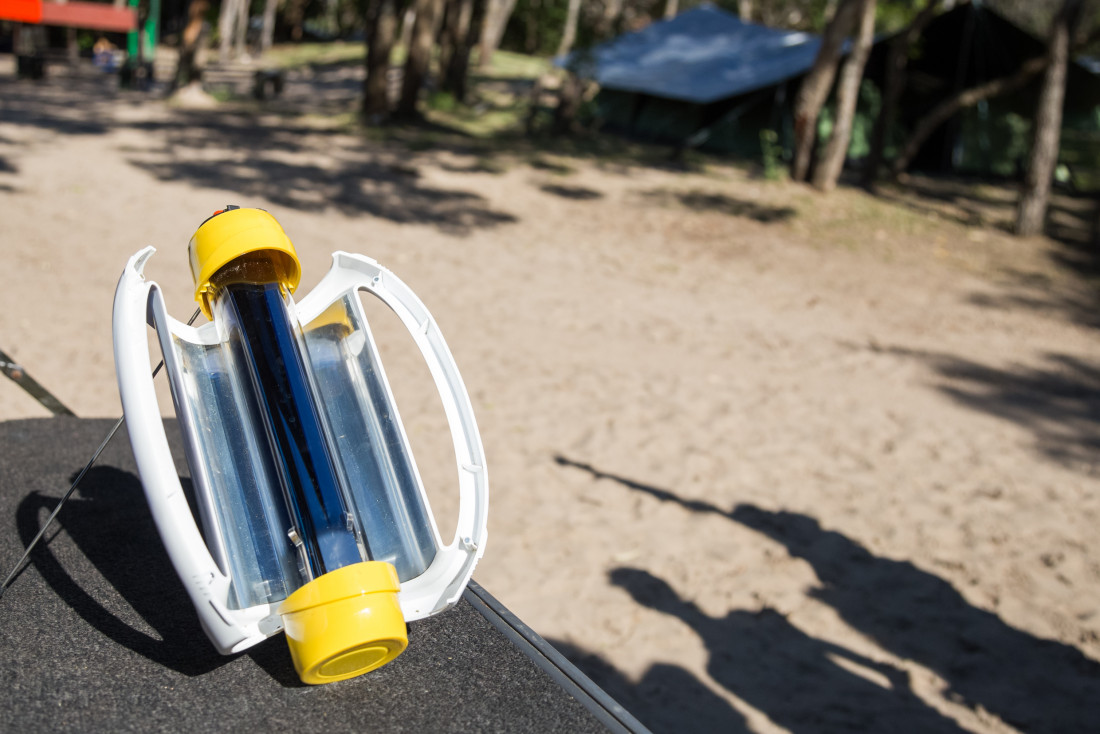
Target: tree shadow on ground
300	167
555	167
577	193
965	201
76	104
703	201
109	522
668	698
1035	684
255	152
335	89
992	204
989	202
327	88
1077	301
1058	402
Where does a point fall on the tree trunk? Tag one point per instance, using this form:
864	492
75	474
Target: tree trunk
569	101
267	34
455	62
531	42
240	35
448	12
815	88
949	107
408	20
827	174
227	19
72	47
896	65
1031	214
609	21
419	58
381	26
492	29
294	13
569	34
188	69
1096	225
671	8
744	10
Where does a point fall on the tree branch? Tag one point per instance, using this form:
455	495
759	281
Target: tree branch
969	97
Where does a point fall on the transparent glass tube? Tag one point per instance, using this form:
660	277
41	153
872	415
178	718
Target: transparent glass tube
232	465
263	334
372	449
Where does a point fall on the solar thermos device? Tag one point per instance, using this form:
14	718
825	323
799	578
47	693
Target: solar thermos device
314	517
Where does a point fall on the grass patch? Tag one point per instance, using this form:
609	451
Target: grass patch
490	113
298	55
509	65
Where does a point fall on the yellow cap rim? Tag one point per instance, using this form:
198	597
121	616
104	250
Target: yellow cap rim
345	623
354	662
231	234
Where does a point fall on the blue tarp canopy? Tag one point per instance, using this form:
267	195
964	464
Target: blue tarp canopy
701	56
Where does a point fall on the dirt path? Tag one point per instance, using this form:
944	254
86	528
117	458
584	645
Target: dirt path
760	460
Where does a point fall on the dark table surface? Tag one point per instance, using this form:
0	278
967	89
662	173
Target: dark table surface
97	633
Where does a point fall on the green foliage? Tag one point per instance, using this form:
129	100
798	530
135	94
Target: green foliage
775	168
536	27
867	111
442	102
1080	155
333	19
492	112
891	17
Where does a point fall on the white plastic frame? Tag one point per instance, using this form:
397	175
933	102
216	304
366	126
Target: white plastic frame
139	303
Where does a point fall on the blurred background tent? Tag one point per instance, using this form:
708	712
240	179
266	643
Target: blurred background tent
707	79
704	78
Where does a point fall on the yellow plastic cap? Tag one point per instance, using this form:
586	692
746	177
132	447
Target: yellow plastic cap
232	233
345	623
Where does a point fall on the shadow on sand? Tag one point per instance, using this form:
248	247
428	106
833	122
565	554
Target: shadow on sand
1058	402
578	193
812	685
1073	223
252	152
306	168
704	201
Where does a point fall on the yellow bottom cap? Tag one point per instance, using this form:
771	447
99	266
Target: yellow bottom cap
345	623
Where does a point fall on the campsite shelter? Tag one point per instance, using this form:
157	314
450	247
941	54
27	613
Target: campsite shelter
703	78
135	24
707	79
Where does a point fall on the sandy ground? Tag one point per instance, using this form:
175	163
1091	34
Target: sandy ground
760	460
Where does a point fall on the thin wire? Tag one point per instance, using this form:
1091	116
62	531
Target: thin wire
76	482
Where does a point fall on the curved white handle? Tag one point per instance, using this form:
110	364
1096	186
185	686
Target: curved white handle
135	300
